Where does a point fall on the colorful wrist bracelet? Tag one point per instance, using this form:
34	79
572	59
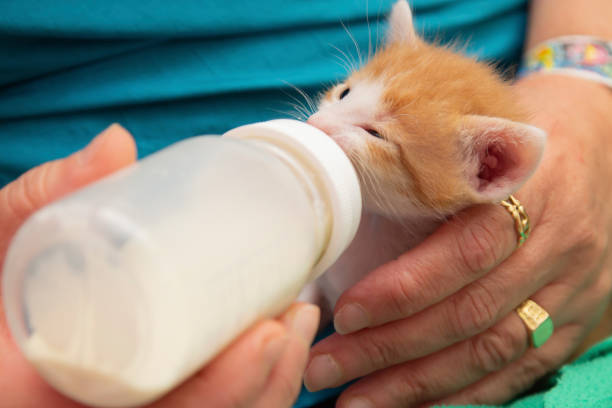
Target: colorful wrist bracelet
582	56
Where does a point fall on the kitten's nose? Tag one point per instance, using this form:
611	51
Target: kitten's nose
324	123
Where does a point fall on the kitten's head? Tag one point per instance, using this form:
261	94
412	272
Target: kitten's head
428	130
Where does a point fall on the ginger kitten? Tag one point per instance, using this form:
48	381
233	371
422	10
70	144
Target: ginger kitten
430	132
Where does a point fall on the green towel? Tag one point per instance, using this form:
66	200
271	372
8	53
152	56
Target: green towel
585	383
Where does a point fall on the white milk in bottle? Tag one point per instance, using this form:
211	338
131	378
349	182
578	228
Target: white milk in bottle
122	290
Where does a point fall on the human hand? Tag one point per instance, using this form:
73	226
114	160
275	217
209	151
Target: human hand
113	149
438	324
263	368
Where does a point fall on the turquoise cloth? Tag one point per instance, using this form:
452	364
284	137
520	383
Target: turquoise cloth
169	70
585	383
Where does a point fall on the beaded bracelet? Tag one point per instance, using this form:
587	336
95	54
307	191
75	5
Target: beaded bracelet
582	56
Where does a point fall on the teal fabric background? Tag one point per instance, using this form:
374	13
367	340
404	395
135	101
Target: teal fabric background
585	383
170	70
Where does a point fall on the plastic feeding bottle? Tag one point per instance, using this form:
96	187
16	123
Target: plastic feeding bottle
125	288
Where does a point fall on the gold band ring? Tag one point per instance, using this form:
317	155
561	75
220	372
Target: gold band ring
521	219
538	322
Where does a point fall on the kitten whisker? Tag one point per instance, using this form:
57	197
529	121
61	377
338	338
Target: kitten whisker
294	115
296	104
376	194
298	107
307	106
378	39
306	97
369	181
368	184
354	43
343	64
299	110
362	181
349	59
369	32
380	199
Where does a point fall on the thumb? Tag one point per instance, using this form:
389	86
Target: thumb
111	150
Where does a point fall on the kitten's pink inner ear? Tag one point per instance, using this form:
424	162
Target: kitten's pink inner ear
401	27
501	155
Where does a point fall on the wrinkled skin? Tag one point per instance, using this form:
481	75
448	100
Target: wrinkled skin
446	307
443	308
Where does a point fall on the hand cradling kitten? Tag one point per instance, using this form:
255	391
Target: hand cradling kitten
430	132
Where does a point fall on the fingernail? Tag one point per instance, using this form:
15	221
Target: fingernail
274	348
350	318
87	153
358	402
322	372
305	322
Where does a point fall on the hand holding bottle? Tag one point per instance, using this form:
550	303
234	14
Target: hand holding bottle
261	368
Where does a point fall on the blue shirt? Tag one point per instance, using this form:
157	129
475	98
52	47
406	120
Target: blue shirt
170	70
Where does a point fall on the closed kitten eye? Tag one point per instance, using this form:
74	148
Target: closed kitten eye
374	133
344	93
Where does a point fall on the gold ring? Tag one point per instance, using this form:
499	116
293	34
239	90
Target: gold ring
538	322
521	219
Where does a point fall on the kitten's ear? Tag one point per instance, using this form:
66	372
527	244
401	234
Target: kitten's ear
401	27
499	154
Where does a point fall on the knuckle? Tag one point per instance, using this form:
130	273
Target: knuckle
531	366
478	247
524	373
588	247
380	354
495	349
35	187
287	388
530	369
402	297
585	237
18	204
472	311
589	237
412	389
269	329
26	194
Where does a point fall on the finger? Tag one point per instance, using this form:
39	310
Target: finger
238	375
436	375
458	253
111	150
505	384
338	359
575	310
441	373
21	385
284	383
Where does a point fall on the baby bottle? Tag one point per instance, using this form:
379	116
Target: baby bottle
122	290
